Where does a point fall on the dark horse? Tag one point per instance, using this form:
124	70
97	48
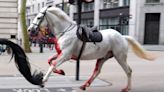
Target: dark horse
23	64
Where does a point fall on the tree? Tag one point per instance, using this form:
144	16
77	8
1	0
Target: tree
26	45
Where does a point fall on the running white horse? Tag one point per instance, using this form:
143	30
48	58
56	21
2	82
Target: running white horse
68	45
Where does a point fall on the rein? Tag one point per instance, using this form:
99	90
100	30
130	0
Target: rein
69	28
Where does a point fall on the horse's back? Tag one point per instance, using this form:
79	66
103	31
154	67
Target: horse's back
117	40
110	32
112	41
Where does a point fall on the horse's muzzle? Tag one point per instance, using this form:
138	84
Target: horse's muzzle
33	32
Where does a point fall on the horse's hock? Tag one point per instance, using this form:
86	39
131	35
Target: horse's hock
9	19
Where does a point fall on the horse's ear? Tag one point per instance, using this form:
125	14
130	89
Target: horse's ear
49	6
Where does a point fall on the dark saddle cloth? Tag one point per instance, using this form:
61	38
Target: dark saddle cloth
87	34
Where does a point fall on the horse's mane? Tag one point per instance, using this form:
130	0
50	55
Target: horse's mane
58	12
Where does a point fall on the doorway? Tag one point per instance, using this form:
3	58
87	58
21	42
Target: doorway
152	26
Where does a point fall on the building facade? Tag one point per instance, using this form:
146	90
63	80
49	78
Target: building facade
106	14
32	9
8	19
147	19
102	13
141	19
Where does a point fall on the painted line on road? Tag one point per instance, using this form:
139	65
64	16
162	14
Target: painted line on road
54	82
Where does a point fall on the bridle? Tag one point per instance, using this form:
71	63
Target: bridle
36	25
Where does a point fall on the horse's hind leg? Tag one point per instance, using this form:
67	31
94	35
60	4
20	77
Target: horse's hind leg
97	70
121	58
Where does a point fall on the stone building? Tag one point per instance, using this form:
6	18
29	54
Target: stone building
147	19
106	14
8	19
141	19
102	13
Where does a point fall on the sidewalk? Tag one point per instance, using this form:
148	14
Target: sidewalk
154	47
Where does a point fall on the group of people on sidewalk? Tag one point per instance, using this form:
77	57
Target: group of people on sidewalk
45	38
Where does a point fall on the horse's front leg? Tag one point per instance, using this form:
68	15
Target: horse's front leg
61	72
60	59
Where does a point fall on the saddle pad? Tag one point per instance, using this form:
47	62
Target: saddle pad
96	37
89	36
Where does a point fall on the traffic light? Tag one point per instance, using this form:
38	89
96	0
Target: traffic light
88	1
71	1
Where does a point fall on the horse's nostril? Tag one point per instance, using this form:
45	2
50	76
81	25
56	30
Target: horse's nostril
28	30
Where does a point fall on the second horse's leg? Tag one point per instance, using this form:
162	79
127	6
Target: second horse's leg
96	72
121	58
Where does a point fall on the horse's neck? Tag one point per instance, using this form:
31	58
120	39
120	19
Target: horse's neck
58	25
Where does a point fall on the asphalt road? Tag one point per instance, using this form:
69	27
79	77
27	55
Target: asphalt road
148	76
37	90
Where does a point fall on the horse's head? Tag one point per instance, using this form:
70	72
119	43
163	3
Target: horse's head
53	17
39	23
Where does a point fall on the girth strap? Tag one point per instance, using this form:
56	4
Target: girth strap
83	45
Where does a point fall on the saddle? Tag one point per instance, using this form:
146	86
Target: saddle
87	34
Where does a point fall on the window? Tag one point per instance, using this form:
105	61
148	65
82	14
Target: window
126	2
12	36
63	6
106	4
87	22
42	4
32	9
152	1
87	6
28	22
38	7
28	10
114	23
110	3
106	23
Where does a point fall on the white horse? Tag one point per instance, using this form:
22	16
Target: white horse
68	45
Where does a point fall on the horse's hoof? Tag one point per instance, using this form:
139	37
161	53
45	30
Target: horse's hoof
125	90
42	85
82	87
61	72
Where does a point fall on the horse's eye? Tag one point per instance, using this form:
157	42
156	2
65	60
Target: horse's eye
39	18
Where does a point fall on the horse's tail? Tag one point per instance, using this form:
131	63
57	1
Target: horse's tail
139	50
22	63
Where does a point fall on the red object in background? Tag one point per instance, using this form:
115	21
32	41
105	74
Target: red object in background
50	40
